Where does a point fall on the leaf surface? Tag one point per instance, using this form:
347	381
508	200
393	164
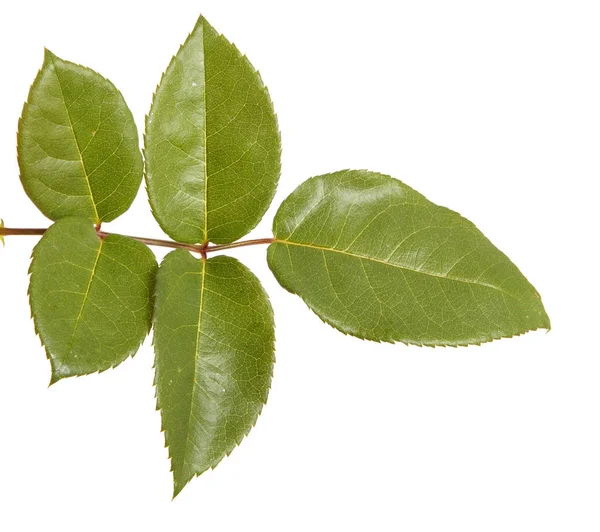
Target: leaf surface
212	143
78	146
377	260
91	299
214	344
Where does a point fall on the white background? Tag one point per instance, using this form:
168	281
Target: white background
490	108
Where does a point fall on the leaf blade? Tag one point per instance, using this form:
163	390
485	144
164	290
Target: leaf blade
377	260
214	344
91	299
212	143
77	144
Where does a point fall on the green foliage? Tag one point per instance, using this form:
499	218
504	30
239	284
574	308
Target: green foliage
377	260
214	341
368	254
212	144
78	144
91	298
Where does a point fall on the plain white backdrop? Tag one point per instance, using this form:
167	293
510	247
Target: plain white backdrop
489	108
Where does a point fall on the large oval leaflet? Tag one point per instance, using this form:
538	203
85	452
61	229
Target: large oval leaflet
212	143
377	260
78	147
214	343
91	298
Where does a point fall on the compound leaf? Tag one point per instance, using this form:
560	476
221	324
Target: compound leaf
212	143
78	146
91	298
214	344
377	260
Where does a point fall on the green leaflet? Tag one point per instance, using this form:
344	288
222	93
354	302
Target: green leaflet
78	144
214	344
91	299
377	260
212	143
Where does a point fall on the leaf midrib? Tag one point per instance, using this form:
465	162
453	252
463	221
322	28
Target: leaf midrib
405	268
194	380
79	151
204	130
84	301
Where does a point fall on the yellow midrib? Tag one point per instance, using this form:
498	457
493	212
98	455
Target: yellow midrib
406	268
197	346
84	301
85	173
205	143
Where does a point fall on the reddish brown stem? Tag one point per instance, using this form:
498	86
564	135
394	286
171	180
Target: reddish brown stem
158	242
240	244
202	249
5	231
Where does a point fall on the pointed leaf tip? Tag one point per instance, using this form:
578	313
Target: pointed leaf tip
48	55
54	378
201	21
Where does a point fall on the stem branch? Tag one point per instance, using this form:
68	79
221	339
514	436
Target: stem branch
203	249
